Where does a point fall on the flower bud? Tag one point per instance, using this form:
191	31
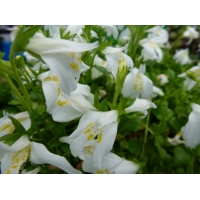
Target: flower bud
19	62
192	75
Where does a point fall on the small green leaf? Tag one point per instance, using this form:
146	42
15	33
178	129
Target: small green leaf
18	126
101	69
112	107
96	99
10	139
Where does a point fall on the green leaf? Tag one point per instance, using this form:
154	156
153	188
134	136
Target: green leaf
103	46
22	38
135	147
18	126
101	69
65	148
103	106
112	107
10	139
36	56
181	155
96	99
163	112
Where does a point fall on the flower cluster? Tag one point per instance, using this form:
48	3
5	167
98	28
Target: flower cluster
86	103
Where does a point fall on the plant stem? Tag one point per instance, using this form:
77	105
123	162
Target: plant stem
145	136
23	102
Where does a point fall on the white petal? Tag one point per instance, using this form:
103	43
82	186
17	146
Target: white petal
21	143
85	120
108	117
64	113
12	162
191	131
49	45
66	67
79	103
40	155
34	171
147	86
127	90
157	90
126	167
104	145
114	50
140	105
195	107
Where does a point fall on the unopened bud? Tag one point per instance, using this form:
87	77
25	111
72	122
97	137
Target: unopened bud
192	75
20	62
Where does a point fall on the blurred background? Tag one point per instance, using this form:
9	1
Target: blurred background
5	40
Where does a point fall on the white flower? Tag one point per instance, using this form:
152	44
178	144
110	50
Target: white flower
191	131
158	34
91	125
140	105
182	56
163	79
176	140
110	30
189	82
151	50
62	58
157	91
115	56
125	35
191	33
137	84
111	164
99	62
62	107
17	154
54	31
7	127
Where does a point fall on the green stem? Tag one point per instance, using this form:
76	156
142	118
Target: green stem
12	61
196	85
29	103
7	71
22	101
145	136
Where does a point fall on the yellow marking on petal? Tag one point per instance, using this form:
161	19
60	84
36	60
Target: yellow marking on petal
79	59
90	137
11	129
6	126
103	62
89	150
59	90
52	78
62	103
15	166
135	87
100	137
22	119
152	45
74	66
87	131
72	54
101	171
8	171
89	124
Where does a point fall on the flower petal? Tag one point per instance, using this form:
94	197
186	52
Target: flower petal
191	131
40	155
105	143
140	105
12	162
49	45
